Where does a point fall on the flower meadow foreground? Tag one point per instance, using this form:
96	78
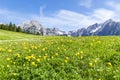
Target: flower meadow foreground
61	58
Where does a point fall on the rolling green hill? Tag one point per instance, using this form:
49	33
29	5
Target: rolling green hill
31	57
9	35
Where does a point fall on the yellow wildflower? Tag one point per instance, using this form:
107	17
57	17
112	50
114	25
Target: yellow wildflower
90	64
52	57
23	64
65	61
9	50
58	48
33	63
64	49
77	53
8	66
95	61
18	55
14	74
8	59
99	42
81	57
32	47
27	58
81	52
91	44
44	57
109	63
25	48
32	56
43	49
67	58
14	62
38	60
35	47
29	50
56	54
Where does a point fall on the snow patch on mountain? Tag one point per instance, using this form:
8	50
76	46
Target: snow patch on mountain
95	30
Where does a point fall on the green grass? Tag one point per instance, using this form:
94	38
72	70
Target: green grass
30	57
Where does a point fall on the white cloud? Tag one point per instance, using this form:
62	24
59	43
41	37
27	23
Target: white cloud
73	20
113	4
62	19
103	14
86	3
115	7
42	10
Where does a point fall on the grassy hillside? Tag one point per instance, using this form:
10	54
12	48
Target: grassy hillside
30	57
9	35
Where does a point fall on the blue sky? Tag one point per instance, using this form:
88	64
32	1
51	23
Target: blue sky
64	14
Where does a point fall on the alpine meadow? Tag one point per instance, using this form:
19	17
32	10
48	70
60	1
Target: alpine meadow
58	58
59	39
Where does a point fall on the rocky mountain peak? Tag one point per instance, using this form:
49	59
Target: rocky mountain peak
34	27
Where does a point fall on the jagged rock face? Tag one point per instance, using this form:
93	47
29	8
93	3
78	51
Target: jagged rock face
54	32
34	27
73	33
109	27
81	32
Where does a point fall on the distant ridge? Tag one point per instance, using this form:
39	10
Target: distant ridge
34	27
109	27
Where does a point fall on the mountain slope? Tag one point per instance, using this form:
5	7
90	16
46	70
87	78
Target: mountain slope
9	35
34	27
109	27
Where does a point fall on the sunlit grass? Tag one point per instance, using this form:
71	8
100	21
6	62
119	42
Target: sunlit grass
26	57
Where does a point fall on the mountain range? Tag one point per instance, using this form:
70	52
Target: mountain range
109	27
34	27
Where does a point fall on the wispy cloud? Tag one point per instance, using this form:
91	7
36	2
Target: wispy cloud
63	19
73	20
113	4
103	14
42	10
85	3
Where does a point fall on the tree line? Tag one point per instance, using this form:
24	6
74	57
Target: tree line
10	27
